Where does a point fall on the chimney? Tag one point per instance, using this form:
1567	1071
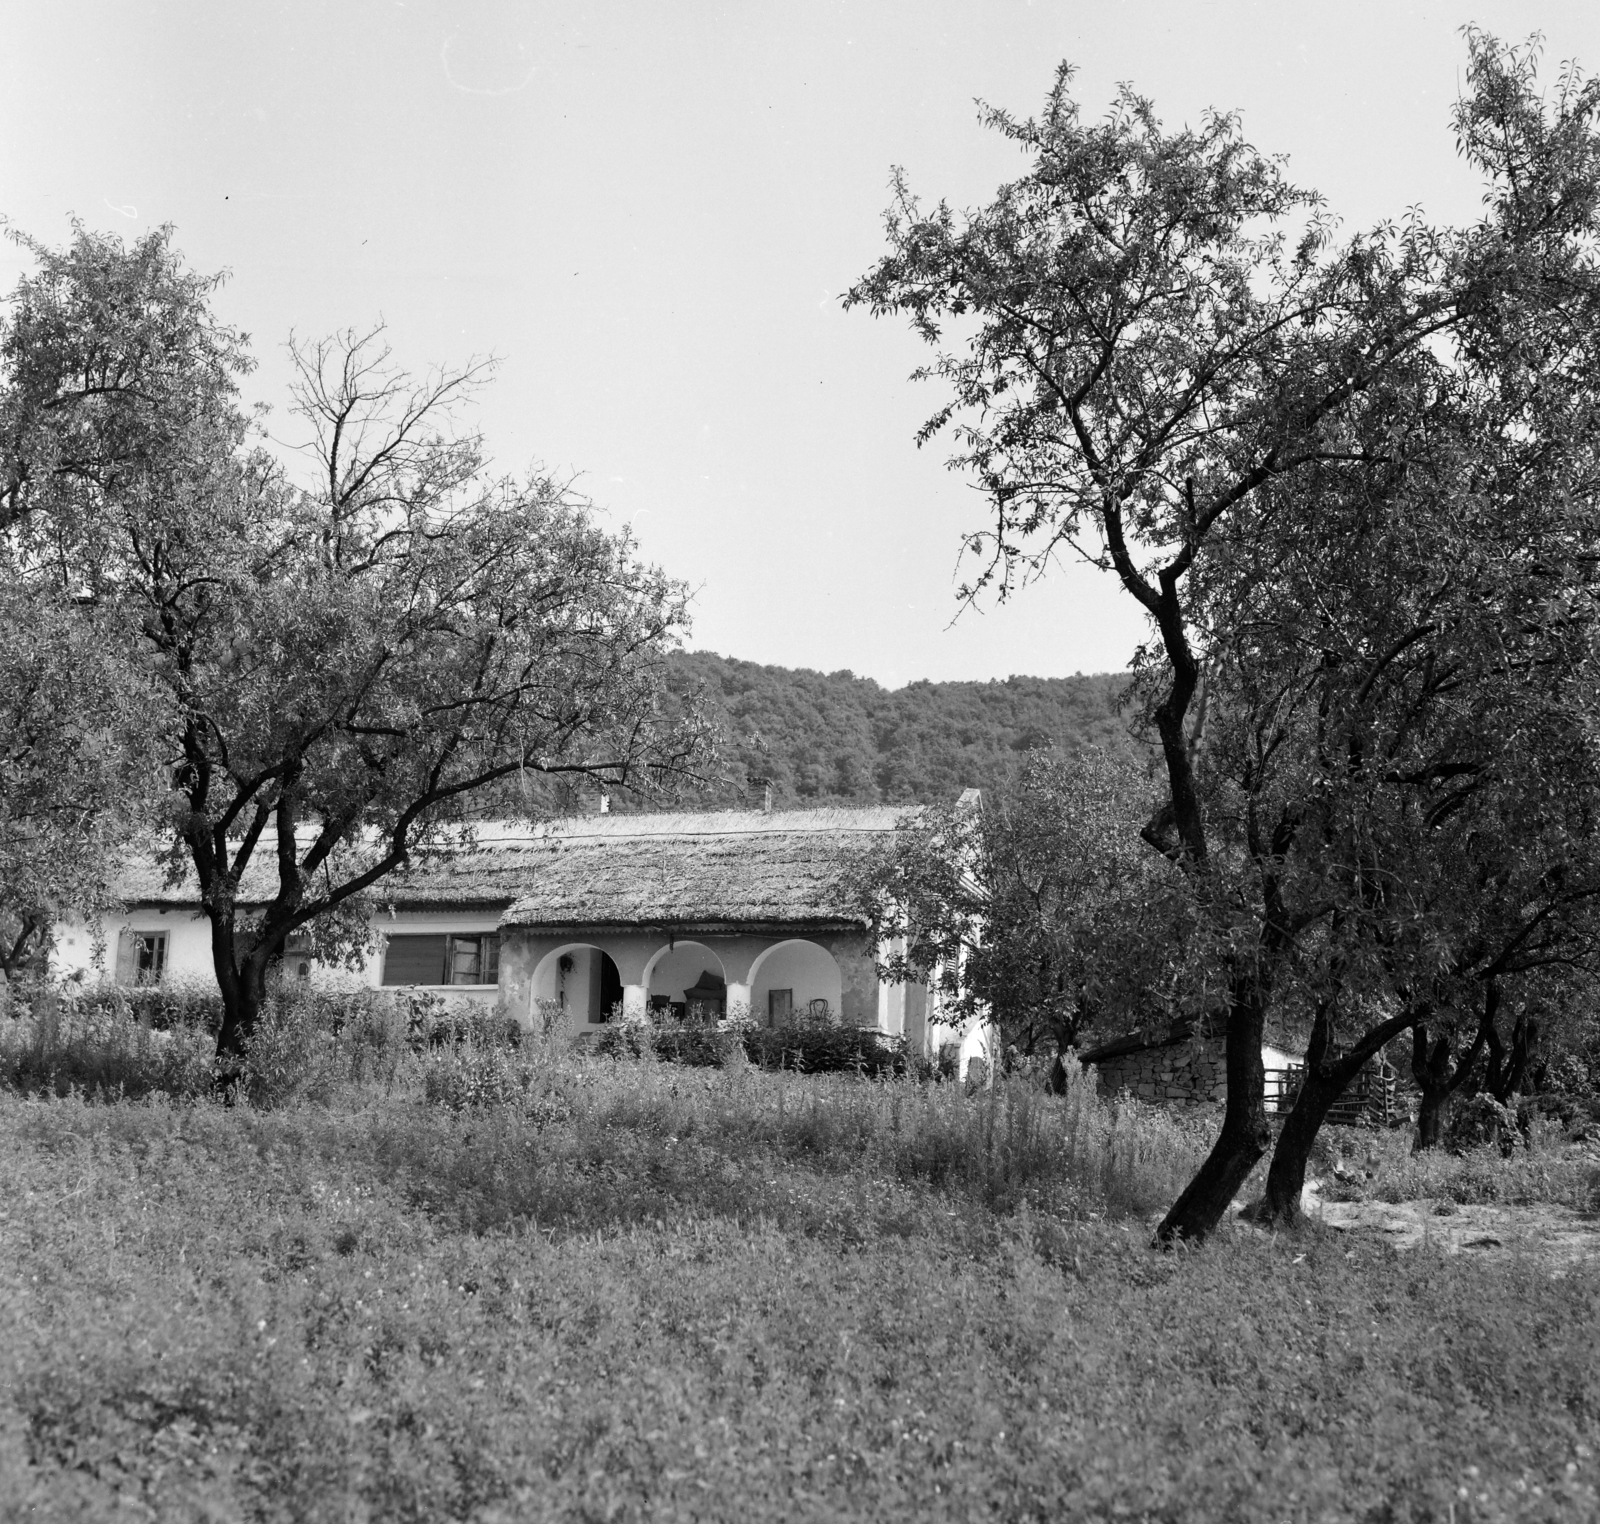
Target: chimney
766	798
605	804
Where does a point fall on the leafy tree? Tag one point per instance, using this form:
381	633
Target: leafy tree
1403	661
1158	343
75	769
1032	906
340	666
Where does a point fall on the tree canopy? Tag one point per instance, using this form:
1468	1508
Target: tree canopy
821	738
1161	356
339	659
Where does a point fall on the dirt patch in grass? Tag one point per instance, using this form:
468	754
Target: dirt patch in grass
1557	1235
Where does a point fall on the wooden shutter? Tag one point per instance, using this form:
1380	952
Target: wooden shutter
780	1007
414	960
127	970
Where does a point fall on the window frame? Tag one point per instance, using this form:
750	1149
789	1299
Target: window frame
158	946
487	953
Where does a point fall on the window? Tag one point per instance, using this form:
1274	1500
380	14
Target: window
440	959
297	954
141	956
473	960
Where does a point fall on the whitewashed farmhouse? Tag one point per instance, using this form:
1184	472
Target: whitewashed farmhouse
587	916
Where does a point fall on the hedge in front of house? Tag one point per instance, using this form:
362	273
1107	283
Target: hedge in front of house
699	1047
821	1050
808	1049
160	1007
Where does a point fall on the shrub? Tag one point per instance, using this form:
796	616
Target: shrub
624	1040
823	1050
699	1047
486	1028
62	1043
466	1076
161	1007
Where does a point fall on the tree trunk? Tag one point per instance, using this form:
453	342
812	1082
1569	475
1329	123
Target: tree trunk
242	983
1432	1114
1437	1080
242	999
1245	1135
1286	1175
13	958
1326	1080
1508	1067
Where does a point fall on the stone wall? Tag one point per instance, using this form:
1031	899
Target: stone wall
1191	1070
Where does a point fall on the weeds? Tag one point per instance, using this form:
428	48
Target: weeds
1545	1167
100	1048
287	1314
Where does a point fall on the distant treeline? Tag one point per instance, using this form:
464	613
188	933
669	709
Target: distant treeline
834	737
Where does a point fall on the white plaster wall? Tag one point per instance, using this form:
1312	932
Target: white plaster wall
78	954
807	969
189	948
74	955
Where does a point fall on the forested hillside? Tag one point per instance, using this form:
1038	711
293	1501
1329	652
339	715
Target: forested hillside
834	737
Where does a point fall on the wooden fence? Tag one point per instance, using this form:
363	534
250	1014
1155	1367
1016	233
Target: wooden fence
1368	1100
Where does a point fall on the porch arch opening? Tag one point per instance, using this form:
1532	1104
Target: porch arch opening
796	980
578	984
688	981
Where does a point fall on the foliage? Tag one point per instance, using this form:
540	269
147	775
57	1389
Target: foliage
811	1049
826	738
1037	906
805	1048
56	1046
310	1044
172	1003
1159	357
76	766
340	663
1546	1168
472	1076
686	1300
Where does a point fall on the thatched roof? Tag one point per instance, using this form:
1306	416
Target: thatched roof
488	874
734	870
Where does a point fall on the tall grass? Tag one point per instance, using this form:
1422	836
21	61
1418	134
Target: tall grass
560	1137
277	1314
1542	1168
544	1132
57	1045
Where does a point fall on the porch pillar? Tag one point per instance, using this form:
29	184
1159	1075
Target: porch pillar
738	1000
635	1002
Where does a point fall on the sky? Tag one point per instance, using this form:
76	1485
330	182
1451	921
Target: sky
648	211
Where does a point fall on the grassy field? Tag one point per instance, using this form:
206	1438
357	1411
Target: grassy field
472	1287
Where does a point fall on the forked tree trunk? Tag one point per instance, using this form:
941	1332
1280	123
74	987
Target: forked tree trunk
1438	1079
1245	1135
1508	1066
241	1008
1326	1080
